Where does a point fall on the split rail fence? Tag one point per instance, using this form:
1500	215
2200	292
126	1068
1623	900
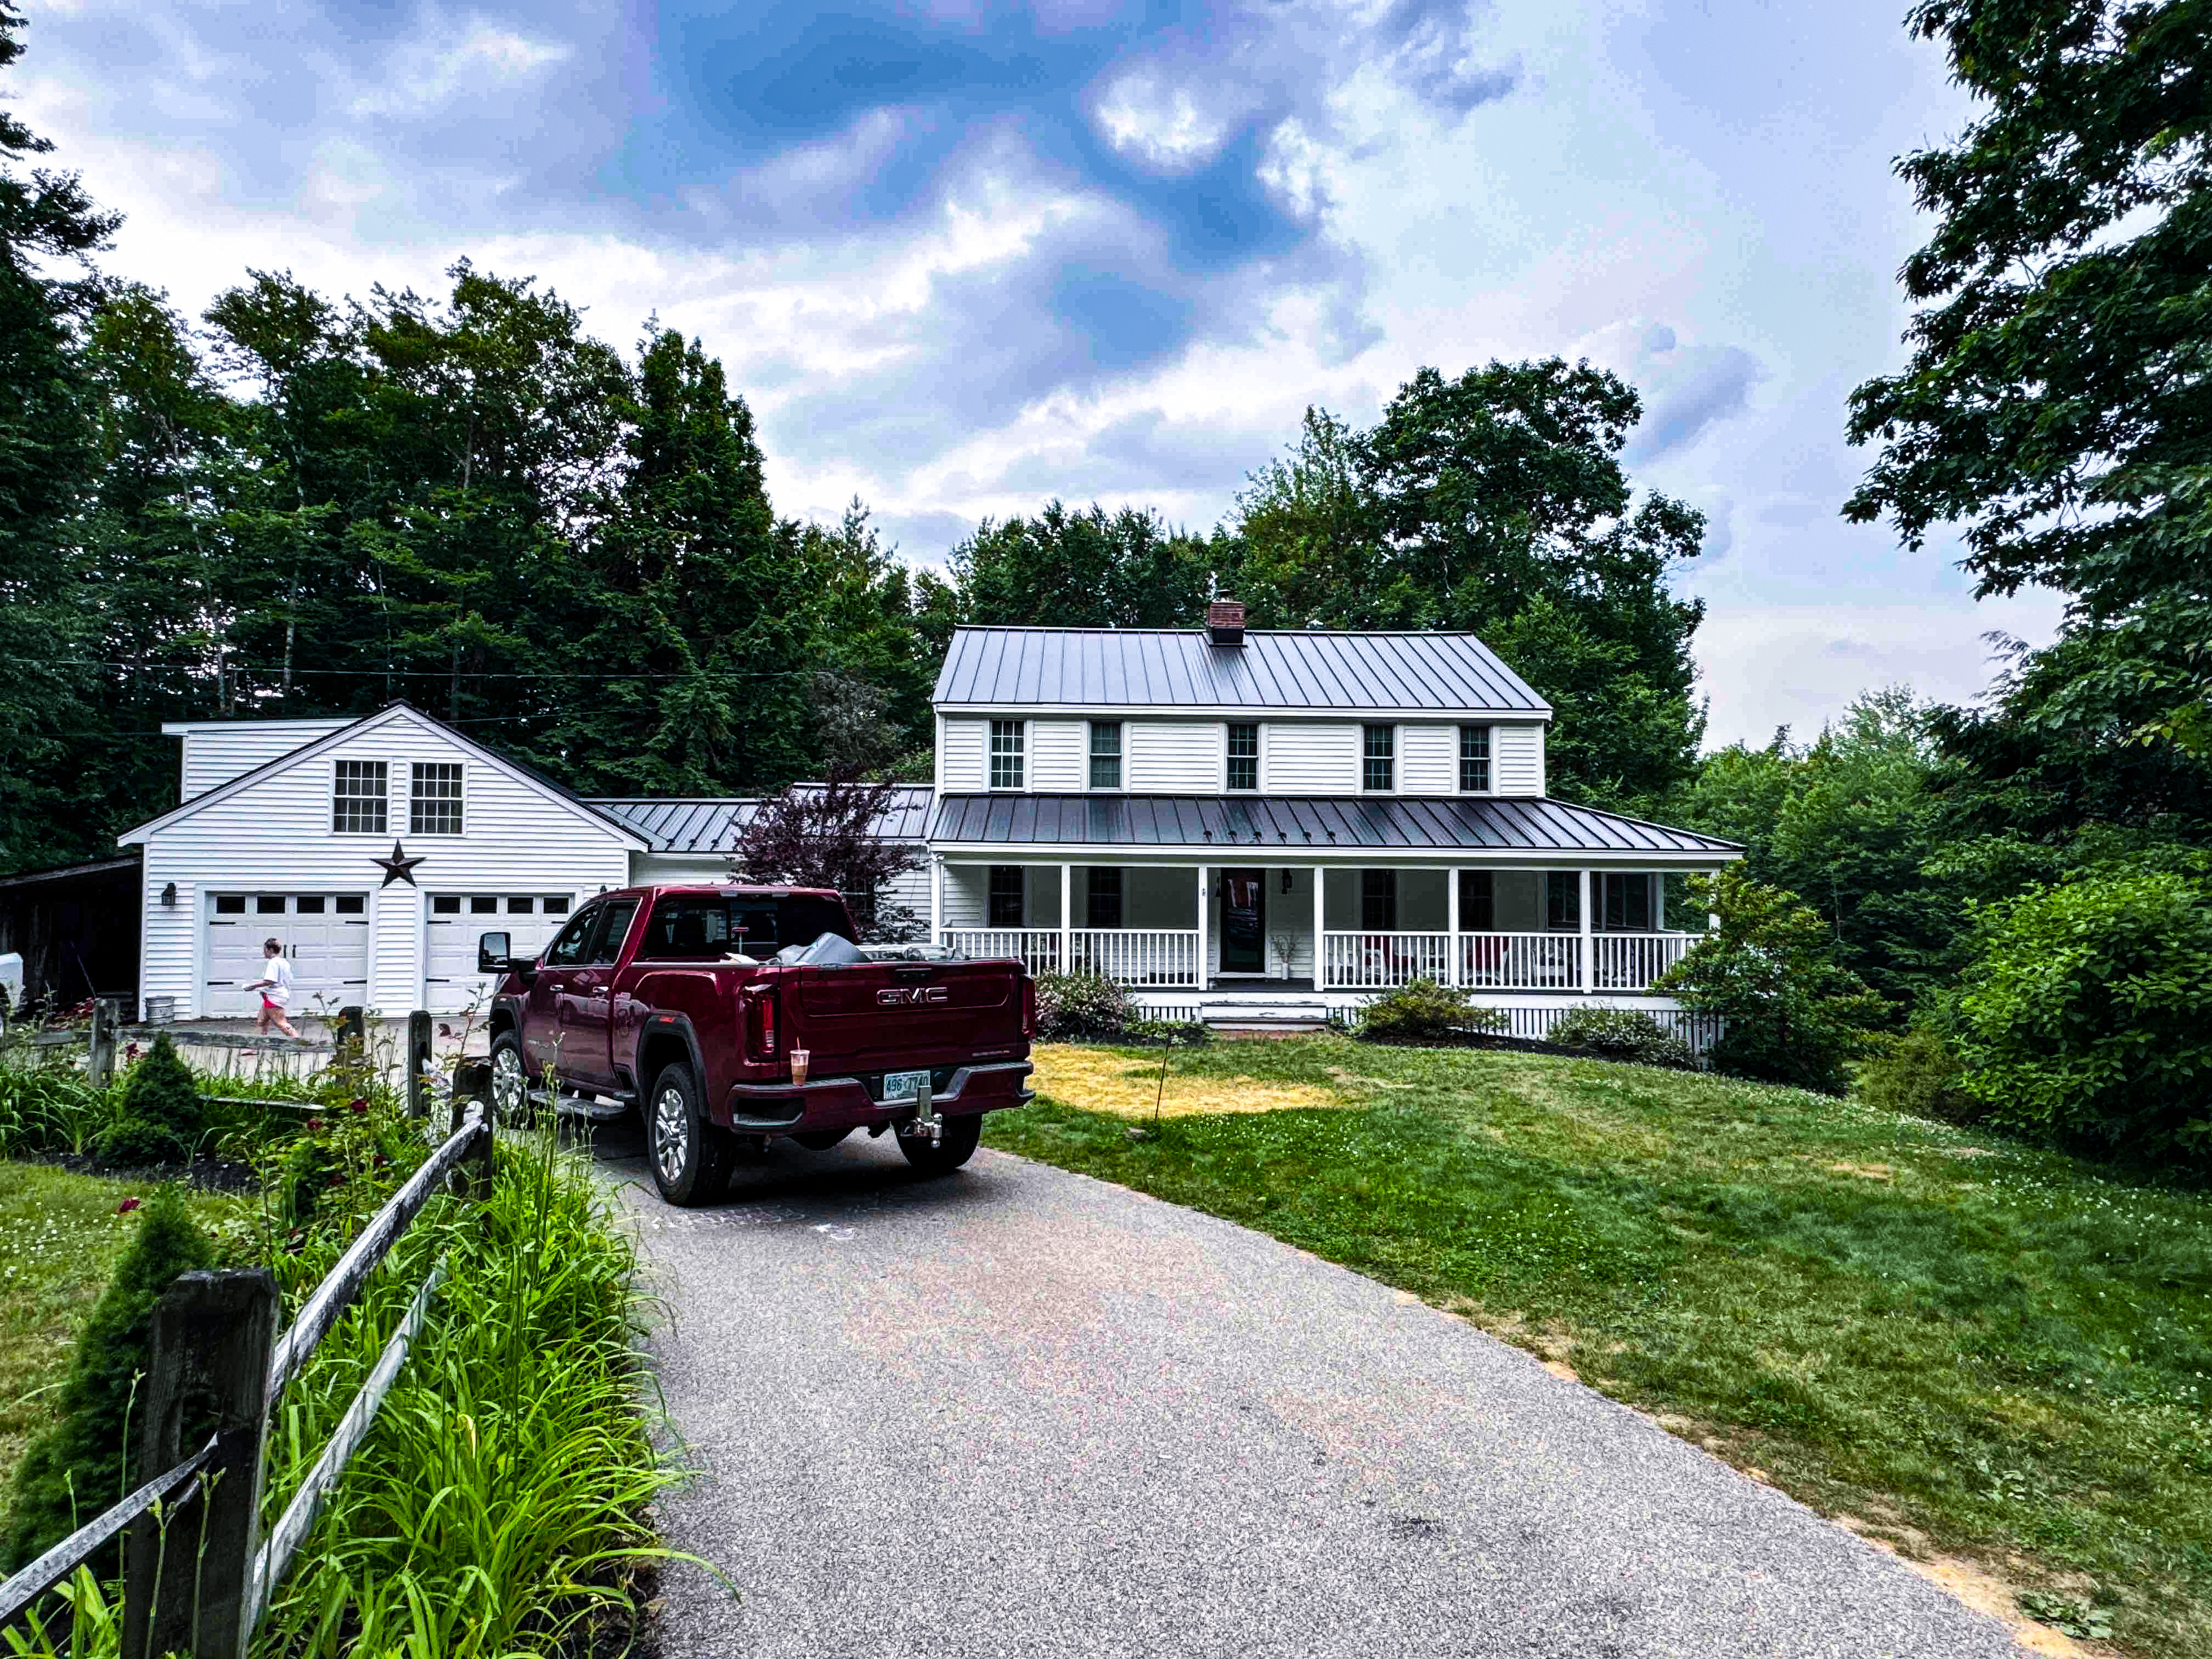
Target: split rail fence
200	1583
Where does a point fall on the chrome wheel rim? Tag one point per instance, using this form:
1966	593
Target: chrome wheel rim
508	1087
671	1134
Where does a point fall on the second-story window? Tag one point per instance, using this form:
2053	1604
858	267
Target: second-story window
434	805
1005	754
1105	754
1378	758
357	797
1474	760
1243	756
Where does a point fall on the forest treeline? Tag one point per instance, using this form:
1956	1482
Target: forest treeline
296	503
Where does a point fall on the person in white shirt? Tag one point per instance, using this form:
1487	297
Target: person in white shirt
276	988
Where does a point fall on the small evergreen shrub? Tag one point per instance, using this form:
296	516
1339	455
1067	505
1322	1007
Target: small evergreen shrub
83	1464
1919	1076
2083	1019
158	1114
1423	1011
1622	1034
1073	1007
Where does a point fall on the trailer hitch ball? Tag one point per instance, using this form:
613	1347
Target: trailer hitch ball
925	1119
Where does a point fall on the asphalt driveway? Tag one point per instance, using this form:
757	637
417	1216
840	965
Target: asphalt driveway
1019	1412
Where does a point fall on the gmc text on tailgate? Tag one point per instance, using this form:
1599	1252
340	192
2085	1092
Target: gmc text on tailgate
724	1012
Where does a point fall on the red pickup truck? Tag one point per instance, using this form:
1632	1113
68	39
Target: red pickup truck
729	1012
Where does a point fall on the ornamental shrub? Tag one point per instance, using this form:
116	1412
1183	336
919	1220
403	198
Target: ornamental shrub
2083	1019
1790	1014
83	1464
1622	1034
158	1116
1919	1075
1422	1010
1071	1006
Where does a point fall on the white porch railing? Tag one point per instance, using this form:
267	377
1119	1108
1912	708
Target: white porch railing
1036	949
1377	962
1138	955
1521	962
1630	962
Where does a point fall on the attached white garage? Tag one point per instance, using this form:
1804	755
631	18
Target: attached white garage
455	921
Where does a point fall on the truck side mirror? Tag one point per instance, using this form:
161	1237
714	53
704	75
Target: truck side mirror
492	953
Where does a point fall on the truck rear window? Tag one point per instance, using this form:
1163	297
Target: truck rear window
707	927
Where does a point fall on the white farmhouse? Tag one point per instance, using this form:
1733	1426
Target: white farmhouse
1248	828
1257	827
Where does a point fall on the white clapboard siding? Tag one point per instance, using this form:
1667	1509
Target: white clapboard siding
1172	758
967	895
1057	751
216	752
1428	760
1297	758
962	756
1516	763
274	835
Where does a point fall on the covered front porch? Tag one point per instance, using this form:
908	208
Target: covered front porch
1322	926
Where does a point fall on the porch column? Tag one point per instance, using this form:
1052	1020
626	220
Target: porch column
1588	948
1066	919
1452	972
936	899
1320	883
1201	928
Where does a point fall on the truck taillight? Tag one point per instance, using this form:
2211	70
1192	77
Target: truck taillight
764	1032
1028	1006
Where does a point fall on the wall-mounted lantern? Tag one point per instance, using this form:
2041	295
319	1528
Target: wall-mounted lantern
169	895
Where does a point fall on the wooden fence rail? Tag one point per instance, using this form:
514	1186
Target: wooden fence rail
203	1589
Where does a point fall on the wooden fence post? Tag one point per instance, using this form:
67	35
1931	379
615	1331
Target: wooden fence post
213	1332
353	1026
419	1077
474	1172
99	1068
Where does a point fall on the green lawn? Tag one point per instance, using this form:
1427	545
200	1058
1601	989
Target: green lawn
1967	1346
59	1236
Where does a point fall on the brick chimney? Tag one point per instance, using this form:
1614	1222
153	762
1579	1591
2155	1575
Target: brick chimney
1224	622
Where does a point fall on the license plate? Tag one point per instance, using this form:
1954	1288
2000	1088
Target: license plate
903	1086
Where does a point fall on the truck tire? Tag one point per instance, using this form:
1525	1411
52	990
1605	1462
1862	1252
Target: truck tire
821	1140
690	1158
510	1083
955	1149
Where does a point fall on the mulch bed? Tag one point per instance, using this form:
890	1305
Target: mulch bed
208	1175
1493	1040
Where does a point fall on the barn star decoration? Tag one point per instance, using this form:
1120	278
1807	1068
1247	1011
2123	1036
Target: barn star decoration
398	867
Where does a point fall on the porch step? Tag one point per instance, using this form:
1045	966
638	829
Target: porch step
1274	1012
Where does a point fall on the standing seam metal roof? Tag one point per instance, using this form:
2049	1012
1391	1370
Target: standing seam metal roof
1304	823
711	824
1171	668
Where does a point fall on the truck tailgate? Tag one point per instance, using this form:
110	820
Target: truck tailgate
887	1010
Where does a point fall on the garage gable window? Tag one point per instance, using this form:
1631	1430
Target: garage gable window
357	796
434	807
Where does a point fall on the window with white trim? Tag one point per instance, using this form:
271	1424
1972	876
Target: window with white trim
1378	760
1474	760
358	791
1243	755
1105	754
433	803
1007	754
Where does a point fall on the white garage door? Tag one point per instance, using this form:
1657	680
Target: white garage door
325	938
456	920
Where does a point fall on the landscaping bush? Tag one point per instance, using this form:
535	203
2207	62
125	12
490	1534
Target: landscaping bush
1920	1076
84	1462
1790	1014
1622	1034
2083	1019
1423	1010
158	1114
1079	1005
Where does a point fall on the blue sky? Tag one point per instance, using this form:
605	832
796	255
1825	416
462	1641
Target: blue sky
964	257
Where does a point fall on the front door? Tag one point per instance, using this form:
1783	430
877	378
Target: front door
1244	921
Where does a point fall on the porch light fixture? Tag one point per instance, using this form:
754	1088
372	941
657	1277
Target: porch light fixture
169	895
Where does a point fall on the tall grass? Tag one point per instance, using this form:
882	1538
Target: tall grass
498	1507
48	1108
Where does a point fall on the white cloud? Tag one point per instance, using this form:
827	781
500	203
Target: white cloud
1162	124
452	60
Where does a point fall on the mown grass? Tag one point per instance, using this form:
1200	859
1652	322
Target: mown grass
1964	1345
59	1237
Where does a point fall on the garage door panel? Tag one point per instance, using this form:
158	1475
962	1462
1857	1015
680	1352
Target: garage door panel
457	920
326	940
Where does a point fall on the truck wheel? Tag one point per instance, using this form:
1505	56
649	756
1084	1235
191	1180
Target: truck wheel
961	1134
689	1155
821	1140
510	1082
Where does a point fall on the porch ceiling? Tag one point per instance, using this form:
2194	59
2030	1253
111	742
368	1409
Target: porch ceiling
1307	824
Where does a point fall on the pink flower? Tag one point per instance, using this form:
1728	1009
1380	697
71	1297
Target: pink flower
129	1205
356	1105
314	1125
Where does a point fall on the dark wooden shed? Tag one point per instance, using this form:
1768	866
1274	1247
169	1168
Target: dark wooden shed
77	928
